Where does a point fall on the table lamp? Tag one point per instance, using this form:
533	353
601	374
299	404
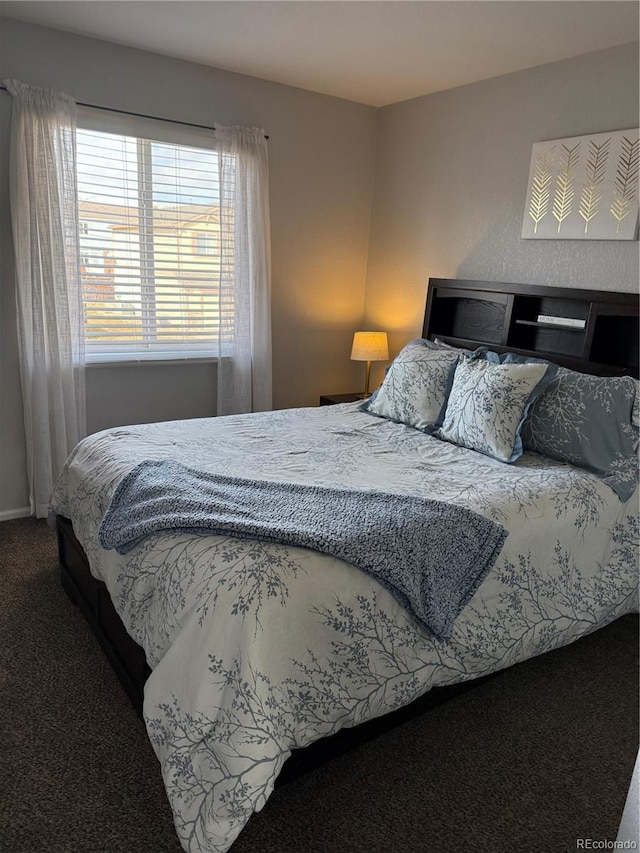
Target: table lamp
369	346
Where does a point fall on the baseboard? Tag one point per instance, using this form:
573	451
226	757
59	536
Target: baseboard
7	514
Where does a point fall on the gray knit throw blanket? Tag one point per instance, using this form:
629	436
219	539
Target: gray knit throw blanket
430	555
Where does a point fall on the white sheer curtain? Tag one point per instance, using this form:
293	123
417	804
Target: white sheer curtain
244	377
44	218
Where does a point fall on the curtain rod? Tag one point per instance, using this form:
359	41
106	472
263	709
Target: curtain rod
140	115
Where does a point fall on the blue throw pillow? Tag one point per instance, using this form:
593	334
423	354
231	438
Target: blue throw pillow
588	421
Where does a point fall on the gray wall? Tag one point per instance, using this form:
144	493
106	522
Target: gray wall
321	153
451	179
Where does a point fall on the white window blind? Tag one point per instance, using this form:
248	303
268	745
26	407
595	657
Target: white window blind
156	261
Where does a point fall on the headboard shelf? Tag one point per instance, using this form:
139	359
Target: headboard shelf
591	331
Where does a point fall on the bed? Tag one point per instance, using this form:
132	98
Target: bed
242	653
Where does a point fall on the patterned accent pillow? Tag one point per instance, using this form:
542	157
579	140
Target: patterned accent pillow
488	403
588	421
413	391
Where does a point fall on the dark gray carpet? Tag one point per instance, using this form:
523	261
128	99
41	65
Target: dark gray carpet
529	761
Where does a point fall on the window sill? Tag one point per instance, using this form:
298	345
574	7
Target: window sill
151	361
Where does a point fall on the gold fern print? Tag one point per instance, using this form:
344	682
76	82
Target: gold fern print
563	198
541	187
626	180
594	174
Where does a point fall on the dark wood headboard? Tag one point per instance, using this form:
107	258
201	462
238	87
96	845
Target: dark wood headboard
603	338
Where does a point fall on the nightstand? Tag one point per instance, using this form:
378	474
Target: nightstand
333	399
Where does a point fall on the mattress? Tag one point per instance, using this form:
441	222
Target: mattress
260	648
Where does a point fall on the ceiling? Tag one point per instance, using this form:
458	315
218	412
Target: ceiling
375	52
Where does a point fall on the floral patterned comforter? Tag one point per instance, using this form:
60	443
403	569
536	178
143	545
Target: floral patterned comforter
259	648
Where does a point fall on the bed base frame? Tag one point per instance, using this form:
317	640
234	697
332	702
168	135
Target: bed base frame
129	663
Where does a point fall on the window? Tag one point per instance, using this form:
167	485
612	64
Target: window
206	244
154	279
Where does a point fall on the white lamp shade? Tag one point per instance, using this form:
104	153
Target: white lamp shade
370	346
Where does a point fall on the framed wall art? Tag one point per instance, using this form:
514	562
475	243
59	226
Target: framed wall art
583	188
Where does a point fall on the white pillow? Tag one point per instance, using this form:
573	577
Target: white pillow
414	389
488	403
